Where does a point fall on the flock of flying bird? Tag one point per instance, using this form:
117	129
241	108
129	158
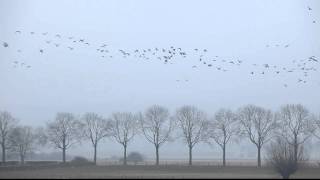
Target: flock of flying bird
166	55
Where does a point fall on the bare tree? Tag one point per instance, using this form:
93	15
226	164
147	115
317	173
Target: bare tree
296	125
22	140
281	156
193	124
64	132
223	126
258	125
7	123
156	126
95	128
124	128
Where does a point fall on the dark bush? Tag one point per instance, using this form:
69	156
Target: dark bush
78	160
135	157
281	157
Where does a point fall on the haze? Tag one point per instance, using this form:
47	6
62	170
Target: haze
81	81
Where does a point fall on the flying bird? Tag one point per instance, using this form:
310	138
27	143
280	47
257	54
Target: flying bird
5	44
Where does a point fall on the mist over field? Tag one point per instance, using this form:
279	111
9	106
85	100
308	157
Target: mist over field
82	56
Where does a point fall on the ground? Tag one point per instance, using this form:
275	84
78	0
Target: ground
142	171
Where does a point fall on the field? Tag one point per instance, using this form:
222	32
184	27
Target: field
143	171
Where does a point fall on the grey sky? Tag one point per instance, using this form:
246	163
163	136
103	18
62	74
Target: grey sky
80	81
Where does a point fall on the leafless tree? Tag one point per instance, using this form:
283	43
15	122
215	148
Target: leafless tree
223	126
316	124
296	125
124	128
156	126
95	128
281	156
7	123
22	139
64	132
258	125
193	124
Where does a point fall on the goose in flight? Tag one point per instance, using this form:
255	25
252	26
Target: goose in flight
5	44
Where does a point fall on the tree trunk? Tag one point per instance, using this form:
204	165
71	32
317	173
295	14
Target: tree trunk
157	155
21	159
125	155
224	155
259	156
95	154
190	155
296	146
64	150
3	152
64	155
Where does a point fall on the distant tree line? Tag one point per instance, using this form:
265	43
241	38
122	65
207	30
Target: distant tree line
290	126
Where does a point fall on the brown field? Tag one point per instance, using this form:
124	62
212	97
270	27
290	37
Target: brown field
143	171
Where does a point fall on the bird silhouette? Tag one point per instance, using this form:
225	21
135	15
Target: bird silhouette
5	44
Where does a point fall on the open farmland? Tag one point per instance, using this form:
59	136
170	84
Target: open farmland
142	171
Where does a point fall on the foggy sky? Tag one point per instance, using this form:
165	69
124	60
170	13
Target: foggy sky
80	81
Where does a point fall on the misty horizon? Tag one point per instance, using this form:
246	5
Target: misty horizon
73	77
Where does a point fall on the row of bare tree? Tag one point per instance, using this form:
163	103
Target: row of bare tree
292	122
